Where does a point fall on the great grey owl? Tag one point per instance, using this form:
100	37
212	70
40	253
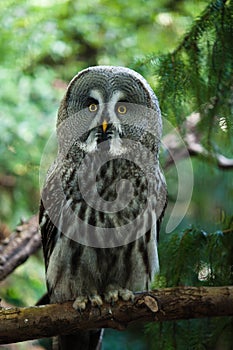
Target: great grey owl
104	195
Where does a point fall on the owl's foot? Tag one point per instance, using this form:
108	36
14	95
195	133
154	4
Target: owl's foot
126	294
113	294
80	302
95	300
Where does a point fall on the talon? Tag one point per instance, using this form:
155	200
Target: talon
96	300
80	303
111	296
126	294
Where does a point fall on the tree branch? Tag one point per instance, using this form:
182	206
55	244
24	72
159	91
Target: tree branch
19	324
16	248
8	181
192	140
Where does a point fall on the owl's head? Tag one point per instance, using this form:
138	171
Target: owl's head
105	105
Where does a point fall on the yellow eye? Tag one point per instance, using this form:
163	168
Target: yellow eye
93	107
122	109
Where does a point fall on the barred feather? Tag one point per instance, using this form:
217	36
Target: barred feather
74	269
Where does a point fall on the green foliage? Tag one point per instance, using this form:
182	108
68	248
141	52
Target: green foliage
202	66
196	258
27	109
68	35
206	334
26	286
193	254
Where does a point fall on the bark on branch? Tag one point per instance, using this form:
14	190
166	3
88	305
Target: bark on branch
16	248
19	324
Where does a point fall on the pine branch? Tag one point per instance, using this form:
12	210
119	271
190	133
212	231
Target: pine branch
15	249
201	24
19	324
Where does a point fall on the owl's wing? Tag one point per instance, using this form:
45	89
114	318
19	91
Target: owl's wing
161	200
49	233
159	220
50	196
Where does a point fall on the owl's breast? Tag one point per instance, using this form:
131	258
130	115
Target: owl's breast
111	197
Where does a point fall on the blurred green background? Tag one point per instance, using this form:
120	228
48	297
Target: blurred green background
43	44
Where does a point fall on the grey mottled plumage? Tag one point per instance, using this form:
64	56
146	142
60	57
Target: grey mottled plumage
105	195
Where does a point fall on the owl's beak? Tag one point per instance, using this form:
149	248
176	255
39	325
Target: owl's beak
104	125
